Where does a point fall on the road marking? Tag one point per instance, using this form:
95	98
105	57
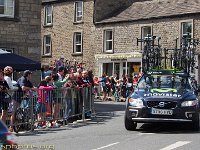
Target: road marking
175	145
146	133
106	146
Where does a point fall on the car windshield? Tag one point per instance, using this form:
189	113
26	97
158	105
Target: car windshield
164	81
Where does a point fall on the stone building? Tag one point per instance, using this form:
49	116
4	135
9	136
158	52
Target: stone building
103	33
116	30
20	27
68	30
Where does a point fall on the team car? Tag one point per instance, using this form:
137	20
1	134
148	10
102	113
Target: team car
166	92
163	96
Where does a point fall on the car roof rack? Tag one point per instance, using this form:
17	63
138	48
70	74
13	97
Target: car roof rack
179	58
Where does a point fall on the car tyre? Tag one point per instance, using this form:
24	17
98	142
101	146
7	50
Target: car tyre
129	124
195	123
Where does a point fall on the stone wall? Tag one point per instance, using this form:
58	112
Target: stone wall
23	32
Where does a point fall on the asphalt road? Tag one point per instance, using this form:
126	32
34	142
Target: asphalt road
106	131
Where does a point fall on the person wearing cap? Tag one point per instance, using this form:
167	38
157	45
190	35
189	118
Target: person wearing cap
25	86
26	83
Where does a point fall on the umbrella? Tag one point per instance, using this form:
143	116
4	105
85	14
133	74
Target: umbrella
18	63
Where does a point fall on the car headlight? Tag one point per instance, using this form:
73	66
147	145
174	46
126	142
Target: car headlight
135	102
190	103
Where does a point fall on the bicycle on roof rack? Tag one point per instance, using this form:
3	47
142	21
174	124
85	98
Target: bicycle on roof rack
156	57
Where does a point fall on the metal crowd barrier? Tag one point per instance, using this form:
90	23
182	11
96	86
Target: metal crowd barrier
58	104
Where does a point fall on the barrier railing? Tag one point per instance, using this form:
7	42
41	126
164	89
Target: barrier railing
55	105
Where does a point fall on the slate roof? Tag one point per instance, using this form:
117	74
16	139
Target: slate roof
154	9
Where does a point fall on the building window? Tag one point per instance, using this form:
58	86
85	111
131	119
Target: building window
78	11
146	32
77	42
186	29
47	45
7	8
108	41
48	11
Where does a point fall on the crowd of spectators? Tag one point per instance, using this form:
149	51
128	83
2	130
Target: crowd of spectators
61	74
115	86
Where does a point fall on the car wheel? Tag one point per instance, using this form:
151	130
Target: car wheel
129	124
195	123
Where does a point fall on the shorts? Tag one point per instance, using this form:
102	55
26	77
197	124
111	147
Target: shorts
13	106
41	108
4	105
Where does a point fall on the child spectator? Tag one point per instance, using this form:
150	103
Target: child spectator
42	102
49	111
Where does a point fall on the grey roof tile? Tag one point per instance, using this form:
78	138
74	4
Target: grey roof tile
155	9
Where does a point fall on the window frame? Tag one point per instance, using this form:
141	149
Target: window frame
13	9
46	15
79	44
105	31
181	28
142	32
76	11
45	45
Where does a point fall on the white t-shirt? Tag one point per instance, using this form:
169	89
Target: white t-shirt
9	81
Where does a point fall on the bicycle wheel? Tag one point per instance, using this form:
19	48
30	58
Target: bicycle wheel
18	120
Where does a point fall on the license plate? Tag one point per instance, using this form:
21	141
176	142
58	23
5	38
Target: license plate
161	111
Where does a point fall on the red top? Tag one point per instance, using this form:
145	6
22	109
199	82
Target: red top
43	93
96	82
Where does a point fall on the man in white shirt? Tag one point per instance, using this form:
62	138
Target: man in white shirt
8	70
7	76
